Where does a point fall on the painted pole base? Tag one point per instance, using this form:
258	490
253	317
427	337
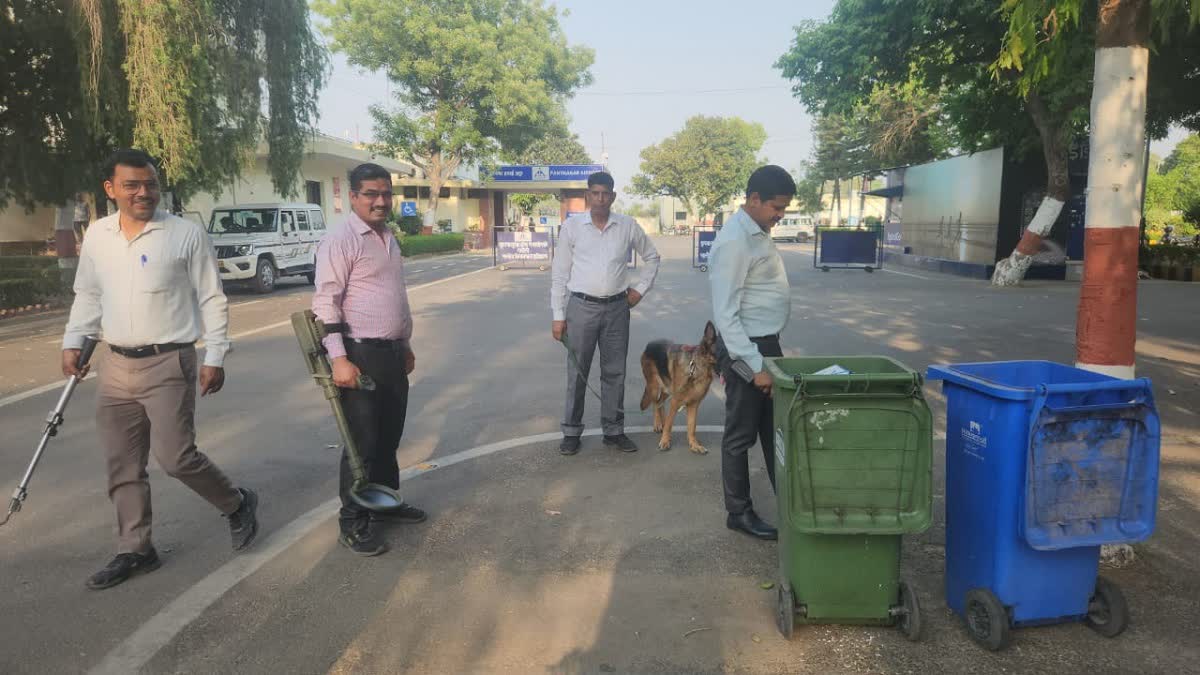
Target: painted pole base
1011	271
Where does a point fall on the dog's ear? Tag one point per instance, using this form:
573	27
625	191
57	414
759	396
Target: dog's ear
710	332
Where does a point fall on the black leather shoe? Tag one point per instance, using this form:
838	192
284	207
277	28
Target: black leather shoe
405	514
363	540
620	442
243	523
122	567
749	522
569	445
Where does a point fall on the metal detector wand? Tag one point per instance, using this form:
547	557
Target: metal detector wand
53	421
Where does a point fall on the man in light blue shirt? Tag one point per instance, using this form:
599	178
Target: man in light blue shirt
751	302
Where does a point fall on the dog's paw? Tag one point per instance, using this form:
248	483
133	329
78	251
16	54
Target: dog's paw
664	444
658	428
699	449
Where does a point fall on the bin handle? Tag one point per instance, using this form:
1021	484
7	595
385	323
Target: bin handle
802	381
1085	387
1099	407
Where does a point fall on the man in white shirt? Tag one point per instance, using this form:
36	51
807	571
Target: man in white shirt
751	303
590	299
147	280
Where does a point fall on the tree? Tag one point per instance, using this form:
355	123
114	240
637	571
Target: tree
810	190
1037	33
940	53
840	151
182	79
471	77
705	164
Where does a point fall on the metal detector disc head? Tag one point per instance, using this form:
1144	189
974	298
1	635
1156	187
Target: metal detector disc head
377	498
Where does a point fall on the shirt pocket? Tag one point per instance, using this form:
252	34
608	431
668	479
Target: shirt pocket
158	277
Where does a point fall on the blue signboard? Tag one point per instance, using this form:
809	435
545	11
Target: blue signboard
546	172
408	209
704	241
516	247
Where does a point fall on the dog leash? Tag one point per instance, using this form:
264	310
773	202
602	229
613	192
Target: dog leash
579	369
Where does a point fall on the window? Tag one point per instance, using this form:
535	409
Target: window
681	215
287	221
302	220
444	193
312	189
476	194
242	221
318	220
410	191
424	193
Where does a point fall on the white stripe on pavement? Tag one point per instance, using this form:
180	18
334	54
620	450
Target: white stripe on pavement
17	398
135	651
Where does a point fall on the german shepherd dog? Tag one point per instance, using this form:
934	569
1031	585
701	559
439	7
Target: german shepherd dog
682	373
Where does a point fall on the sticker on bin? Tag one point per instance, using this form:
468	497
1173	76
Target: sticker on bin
780	449
835	369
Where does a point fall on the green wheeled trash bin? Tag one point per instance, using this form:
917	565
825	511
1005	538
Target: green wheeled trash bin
853	473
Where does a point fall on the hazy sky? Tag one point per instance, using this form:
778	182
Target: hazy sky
658	62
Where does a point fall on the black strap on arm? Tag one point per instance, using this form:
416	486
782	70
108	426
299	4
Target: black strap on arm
336	328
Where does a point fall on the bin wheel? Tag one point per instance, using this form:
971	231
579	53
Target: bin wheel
910	617
824	269
869	269
503	268
704	268
541	268
1108	613
785	610
987	620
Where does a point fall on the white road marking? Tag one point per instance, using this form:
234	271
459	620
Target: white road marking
136	651
53	386
907	274
16	398
248	302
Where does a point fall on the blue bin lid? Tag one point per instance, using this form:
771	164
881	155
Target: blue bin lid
1016	380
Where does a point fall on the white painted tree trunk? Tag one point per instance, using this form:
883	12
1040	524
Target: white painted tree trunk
1106	326
1011	271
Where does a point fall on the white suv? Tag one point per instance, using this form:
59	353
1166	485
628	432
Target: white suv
258	243
793	228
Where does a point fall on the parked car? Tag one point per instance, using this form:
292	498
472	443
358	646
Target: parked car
259	243
793	228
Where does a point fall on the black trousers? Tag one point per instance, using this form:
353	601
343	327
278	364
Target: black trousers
376	421
749	415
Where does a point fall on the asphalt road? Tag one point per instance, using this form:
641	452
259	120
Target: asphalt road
530	562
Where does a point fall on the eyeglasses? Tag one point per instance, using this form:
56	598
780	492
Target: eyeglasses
135	185
372	195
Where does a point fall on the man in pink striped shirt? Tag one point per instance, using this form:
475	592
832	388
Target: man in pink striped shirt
361	297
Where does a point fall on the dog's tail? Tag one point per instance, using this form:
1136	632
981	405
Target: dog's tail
648	372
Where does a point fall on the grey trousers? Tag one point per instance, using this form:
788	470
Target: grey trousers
590	324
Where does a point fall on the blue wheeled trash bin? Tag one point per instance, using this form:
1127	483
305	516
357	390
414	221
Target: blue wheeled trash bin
1044	464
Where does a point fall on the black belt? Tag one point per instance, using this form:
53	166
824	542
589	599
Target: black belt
378	342
148	350
592	298
765	337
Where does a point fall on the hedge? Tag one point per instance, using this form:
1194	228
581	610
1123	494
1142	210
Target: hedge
27	280
431	243
16	293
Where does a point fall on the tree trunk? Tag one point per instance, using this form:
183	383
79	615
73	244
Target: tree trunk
1105	329
440	169
1011	271
835	206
